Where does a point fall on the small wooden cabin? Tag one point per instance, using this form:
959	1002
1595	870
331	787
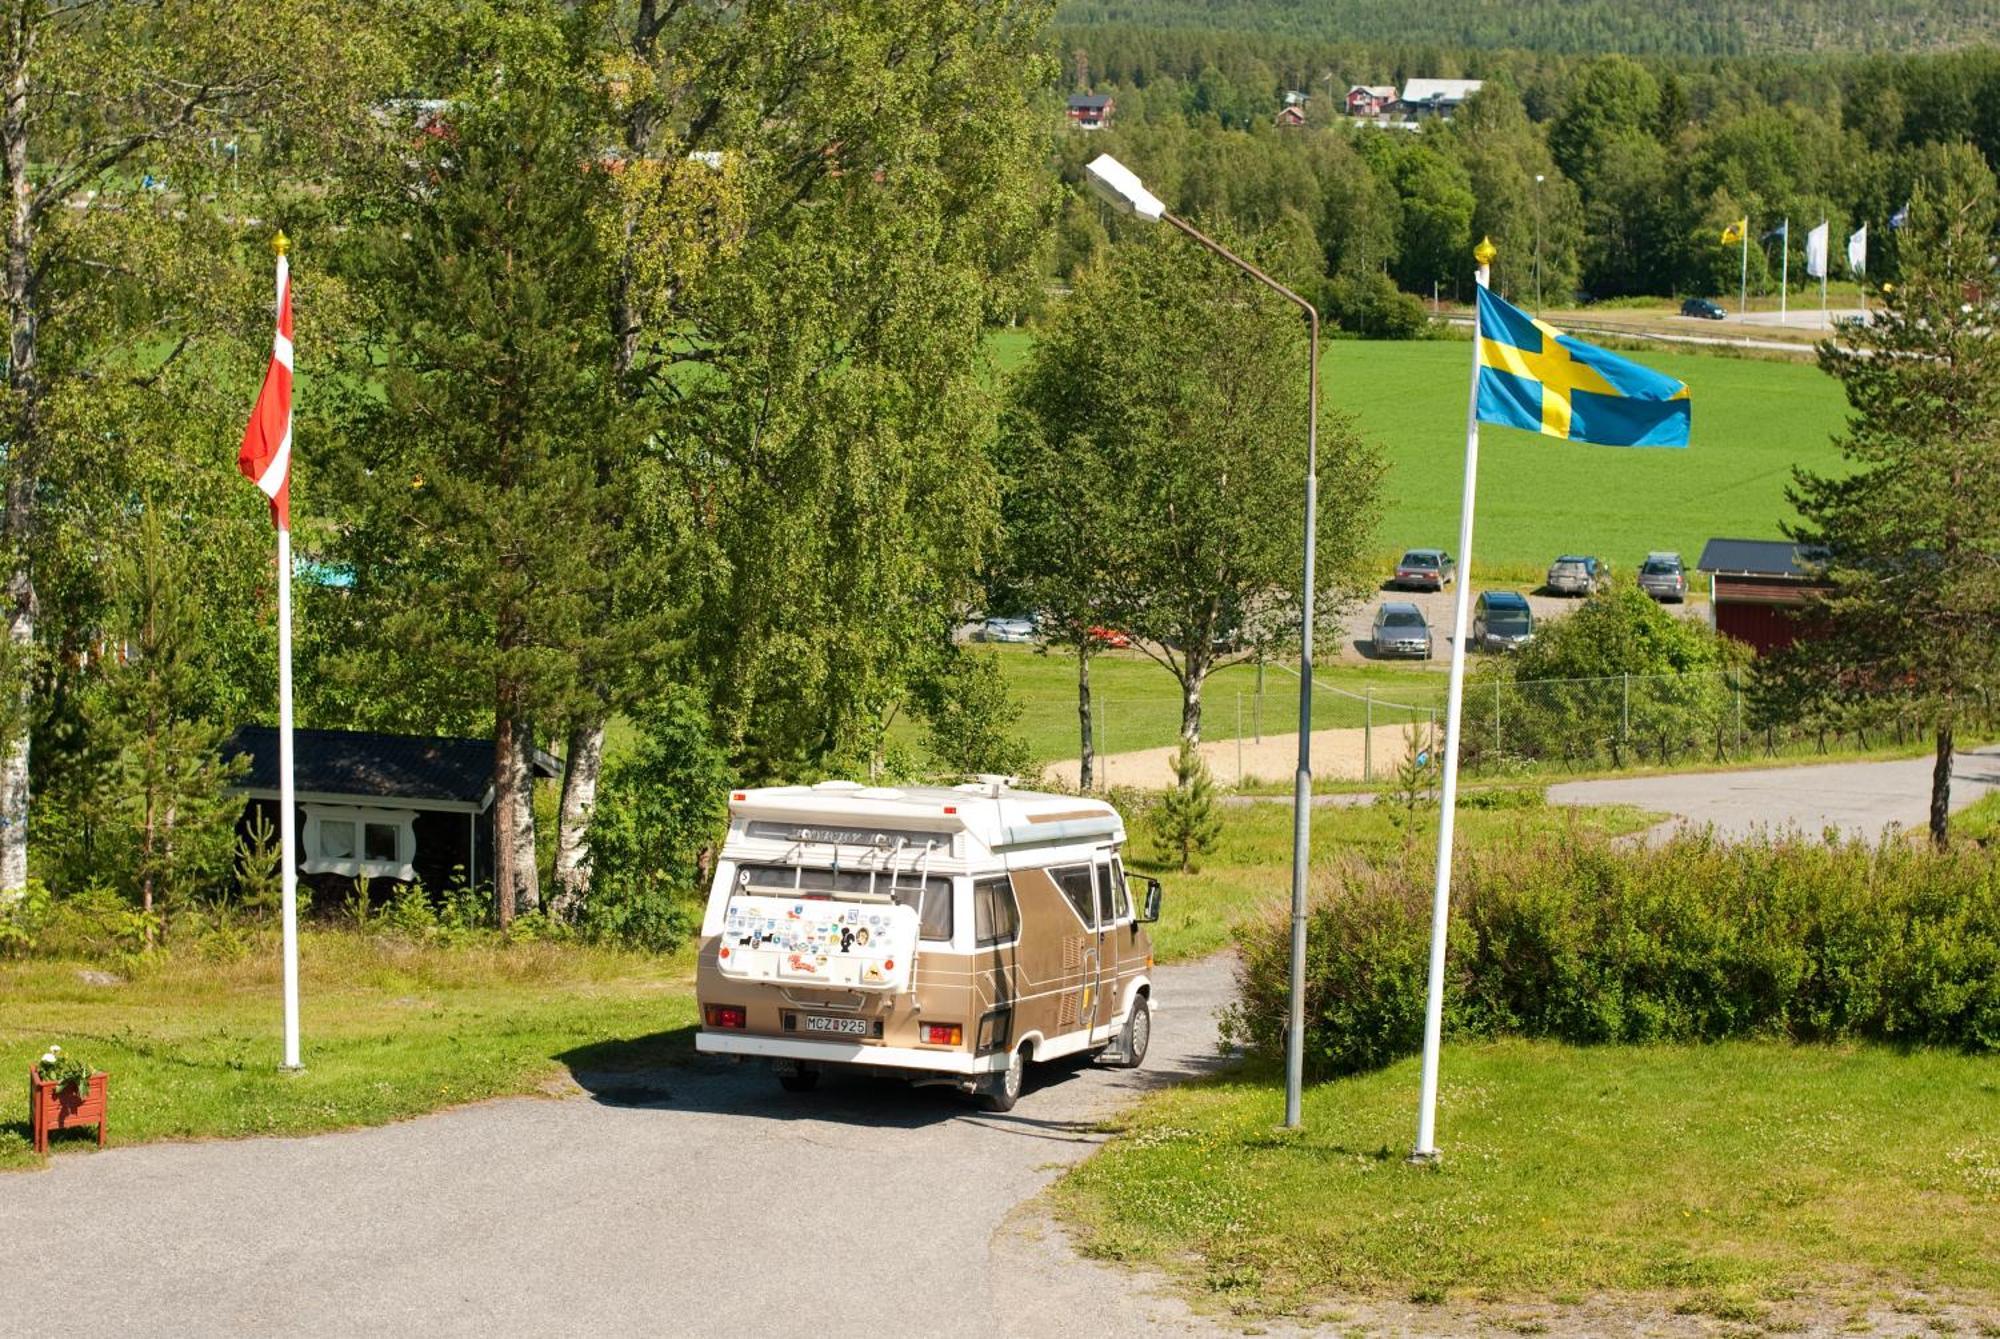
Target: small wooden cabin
1757	587
387	807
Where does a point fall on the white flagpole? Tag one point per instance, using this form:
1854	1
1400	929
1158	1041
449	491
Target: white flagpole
1743	283
287	803
1825	268
1785	270
1426	1149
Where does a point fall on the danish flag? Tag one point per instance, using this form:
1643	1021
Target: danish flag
266	456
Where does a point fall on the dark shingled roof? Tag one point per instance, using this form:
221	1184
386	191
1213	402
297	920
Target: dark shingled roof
1755	557
1089	101
377	766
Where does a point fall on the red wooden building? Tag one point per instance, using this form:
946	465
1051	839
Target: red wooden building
1757	588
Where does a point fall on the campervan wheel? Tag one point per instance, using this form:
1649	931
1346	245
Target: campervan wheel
1138	1034
1002	1090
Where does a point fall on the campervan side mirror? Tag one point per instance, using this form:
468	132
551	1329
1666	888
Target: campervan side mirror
1152	910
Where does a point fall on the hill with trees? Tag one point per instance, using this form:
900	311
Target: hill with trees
1666	27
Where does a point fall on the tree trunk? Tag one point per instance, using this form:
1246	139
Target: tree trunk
1086	772
515	880
579	796
23	380
1195	671
1941	789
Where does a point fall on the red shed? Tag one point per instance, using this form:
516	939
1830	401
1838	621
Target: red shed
1756	588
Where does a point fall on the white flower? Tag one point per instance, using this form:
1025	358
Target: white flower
55	1050
48	1057
1965	309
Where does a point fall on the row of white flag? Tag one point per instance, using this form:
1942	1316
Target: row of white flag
1816	248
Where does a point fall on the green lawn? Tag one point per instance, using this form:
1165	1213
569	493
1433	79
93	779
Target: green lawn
1753	421
1729	1177
1250	871
389	1030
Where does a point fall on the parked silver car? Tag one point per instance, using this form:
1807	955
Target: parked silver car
1663	577
1426	569
1577	574
1401	630
1007	630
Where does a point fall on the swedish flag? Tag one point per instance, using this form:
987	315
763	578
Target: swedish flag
1533	376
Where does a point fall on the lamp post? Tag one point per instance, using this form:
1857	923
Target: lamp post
1121	188
1538	241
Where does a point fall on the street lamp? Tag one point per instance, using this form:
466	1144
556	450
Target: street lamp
1538	241
1121	188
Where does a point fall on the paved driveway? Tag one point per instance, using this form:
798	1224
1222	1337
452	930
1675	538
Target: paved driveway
689	1202
1858	798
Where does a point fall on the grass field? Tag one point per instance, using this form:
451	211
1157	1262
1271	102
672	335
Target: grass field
1137	704
390	1030
1753	421
1755	1182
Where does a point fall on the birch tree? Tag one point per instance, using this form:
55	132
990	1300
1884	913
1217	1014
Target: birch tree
108	111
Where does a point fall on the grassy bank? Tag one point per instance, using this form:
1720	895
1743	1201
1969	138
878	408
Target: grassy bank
1250	870
1729	1177
390	1030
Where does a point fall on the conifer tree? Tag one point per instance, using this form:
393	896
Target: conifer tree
1185	823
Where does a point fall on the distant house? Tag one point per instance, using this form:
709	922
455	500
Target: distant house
1290	118
390	807
1371	100
1090	111
1756	588
1437	97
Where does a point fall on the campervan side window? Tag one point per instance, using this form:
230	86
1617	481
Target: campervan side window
995	918
832	883
1074	880
1107	895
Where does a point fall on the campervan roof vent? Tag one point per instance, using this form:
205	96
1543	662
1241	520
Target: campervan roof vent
877	793
990	784
846	787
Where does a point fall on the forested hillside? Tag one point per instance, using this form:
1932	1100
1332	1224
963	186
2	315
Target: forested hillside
1664	27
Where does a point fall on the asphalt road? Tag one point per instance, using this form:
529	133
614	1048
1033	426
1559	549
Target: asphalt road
700	1201
1859	798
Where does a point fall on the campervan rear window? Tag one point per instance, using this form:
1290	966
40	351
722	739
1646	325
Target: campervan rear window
936	902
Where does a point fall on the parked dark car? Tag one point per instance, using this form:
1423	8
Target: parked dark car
1401	630
1663	577
1426	569
1578	574
1702	308
1502	621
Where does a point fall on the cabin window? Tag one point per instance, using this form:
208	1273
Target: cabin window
1123	898
995	917
935	892
360	841
336	839
1074	880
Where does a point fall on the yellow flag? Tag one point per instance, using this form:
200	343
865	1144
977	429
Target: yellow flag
1734	232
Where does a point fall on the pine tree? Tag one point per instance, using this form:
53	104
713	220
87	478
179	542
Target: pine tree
1185	822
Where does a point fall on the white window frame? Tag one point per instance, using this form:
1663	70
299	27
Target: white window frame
355	867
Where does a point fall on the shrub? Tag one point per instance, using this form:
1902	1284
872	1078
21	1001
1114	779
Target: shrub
1576	939
1371	306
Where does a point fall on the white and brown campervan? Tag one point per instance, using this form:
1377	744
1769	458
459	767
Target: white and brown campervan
943	935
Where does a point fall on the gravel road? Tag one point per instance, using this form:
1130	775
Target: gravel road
699	1201
1859	798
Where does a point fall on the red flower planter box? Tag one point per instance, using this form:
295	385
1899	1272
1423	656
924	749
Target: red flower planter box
56	1106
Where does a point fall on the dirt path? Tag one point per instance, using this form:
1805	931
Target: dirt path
1337	755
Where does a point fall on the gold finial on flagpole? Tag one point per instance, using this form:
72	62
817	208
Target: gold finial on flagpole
1485	251
281	243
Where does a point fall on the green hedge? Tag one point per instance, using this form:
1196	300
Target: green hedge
1572	938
